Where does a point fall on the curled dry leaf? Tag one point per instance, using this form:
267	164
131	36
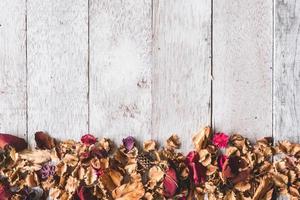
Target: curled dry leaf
43	140
132	190
173	142
18	143
200	139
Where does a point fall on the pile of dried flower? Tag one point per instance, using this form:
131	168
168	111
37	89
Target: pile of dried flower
220	166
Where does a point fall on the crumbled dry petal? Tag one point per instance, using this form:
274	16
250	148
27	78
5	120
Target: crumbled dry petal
44	141
18	143
200	139
173	142
149	145
220	167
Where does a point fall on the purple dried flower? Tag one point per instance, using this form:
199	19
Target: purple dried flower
128	143
47	170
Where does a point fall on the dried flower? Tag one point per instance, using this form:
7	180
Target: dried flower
46	171
129	143
18	143
170	183
88	139
5	193
197	170
44	141
220	140
221	160
235	169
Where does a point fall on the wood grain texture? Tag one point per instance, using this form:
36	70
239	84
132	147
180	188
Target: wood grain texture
181	82
287	71
57	67
242	67
13	67
120	68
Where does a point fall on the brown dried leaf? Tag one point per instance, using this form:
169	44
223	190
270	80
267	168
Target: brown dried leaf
173	142
200	139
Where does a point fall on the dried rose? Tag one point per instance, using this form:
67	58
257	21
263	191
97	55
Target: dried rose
46	171
5	193
84	193
170	183
196	170
220	140
88	139
221	160
235	169
18	143
128	143
44	141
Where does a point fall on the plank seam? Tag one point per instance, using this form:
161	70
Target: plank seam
88	69
273	65
153	65
26	69
211	62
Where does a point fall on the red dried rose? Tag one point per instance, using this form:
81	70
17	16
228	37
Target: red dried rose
196	169
44	141
5	193
128	143
88	139
221	160
220	140
170	183
18	143
235	169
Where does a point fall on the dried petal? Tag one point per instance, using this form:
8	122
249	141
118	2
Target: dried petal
129	143
170	183
88	139
18	143
44	141
220	140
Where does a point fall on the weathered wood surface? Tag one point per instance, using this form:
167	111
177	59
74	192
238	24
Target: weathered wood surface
13	67
181	81
143	68
120	68
287	71
242	67
57	33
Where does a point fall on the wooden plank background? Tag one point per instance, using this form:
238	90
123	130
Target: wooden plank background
149	68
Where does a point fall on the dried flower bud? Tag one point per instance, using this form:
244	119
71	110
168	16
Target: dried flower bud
44	141
170	183
129	143
18	143
196	170
220	140
88	139
46	171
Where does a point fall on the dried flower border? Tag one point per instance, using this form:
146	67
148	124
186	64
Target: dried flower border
222	167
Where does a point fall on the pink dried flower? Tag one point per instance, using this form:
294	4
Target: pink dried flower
220	140
5	193
128	143
196	169
170	183
221	160
46	171
88	139
18	143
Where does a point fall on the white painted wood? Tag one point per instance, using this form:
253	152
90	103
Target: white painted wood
120	68
242	67
58	67
13	67
181	72
287	71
